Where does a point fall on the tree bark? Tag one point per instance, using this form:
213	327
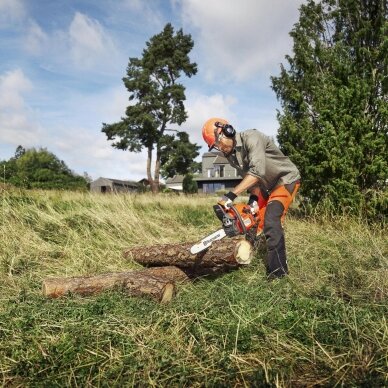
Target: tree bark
158	283
157	167
149	174
222	256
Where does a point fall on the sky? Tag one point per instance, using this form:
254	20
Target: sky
62	64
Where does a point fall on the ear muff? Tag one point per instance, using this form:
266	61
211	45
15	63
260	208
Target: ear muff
226	129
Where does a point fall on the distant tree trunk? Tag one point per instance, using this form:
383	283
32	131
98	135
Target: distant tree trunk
157	169
158	283
153	187
223	255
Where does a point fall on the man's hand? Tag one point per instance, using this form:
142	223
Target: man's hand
253	203
227	200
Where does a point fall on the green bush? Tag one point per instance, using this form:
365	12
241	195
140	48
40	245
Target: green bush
189	185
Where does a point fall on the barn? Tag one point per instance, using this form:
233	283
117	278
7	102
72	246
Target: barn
108	185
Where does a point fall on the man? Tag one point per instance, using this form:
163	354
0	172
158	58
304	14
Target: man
270	177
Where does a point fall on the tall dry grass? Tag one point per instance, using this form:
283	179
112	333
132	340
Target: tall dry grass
324	325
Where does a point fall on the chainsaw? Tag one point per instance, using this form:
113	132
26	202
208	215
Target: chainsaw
236	220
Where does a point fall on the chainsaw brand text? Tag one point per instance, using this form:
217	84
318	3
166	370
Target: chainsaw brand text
207	242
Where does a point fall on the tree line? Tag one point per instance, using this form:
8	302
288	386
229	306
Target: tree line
40	169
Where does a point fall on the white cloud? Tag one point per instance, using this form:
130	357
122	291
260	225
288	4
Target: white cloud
91	152
18	130
11	12
240	38
134	5
89	43
147	12
36	40
17	123
85	45
12	86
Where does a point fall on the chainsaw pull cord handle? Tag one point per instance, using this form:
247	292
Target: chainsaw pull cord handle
238	216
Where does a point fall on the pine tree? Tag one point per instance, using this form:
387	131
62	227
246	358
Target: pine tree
333	93
177	155
156	95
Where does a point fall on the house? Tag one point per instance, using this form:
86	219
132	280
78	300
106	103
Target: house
217	174
175	183
108	185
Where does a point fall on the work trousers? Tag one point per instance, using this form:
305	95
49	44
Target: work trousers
273	209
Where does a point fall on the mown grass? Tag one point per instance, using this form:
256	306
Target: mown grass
324	325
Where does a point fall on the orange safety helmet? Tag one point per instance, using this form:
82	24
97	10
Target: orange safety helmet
213	128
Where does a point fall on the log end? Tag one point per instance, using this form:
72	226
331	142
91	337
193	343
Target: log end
168	293
51	289
243	252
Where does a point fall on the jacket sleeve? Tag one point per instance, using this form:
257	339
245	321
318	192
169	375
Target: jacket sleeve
255	148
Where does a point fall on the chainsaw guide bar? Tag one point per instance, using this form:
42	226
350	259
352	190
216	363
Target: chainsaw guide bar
207	241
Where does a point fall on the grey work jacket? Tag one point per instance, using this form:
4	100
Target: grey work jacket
256	154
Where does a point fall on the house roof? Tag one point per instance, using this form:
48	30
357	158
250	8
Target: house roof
144	181
118	181
212	154
175	179
220	160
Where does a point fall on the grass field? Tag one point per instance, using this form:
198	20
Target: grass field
324	325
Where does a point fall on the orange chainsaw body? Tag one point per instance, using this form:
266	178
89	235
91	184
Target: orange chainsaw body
239	214
236	220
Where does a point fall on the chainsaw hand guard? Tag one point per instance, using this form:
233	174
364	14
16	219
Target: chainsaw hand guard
228	223
230	226
231	231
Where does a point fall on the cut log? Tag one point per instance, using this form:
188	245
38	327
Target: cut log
221	256
158	283
243	252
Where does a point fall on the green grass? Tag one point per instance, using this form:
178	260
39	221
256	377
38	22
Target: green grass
324	325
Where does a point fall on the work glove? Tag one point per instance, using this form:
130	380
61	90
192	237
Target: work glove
253	203
226	201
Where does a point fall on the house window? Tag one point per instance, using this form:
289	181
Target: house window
210	172
213	187
219	171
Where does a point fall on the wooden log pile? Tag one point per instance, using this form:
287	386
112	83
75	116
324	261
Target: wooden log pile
165	267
